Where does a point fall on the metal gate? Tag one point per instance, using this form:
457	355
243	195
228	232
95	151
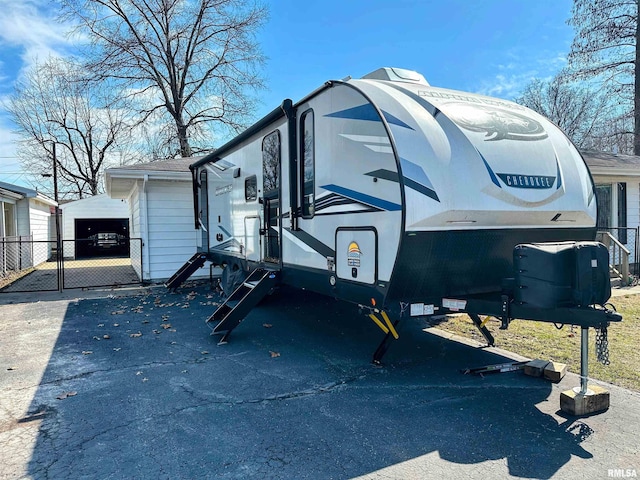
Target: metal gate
102	261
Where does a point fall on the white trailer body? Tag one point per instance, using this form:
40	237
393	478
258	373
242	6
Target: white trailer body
386	190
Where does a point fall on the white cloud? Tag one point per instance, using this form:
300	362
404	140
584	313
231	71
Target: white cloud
30	31
514	75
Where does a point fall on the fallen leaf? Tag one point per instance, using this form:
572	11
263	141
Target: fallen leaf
139	372
64	395
136	335
95	337
106	337
117	349
101	324
116	324
117	312
174	343
166	325
87	352
145	321
274	354
186	305
204	352
11	368
157	332
183	371
267	325
145	379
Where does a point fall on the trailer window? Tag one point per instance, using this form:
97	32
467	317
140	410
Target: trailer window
271	162
251	188
307	165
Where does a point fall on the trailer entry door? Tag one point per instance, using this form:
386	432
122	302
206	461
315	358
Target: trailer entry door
271	197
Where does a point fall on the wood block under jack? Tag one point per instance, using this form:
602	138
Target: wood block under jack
535	368
554	371
594	401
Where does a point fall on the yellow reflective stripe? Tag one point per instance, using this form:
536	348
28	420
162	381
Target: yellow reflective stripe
390	325
379	323
484	322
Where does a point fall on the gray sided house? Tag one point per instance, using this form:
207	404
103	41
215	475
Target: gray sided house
160	212
617	181
25	216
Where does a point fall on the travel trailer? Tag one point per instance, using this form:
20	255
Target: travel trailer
407	200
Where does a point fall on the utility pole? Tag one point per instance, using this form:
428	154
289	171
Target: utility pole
59	248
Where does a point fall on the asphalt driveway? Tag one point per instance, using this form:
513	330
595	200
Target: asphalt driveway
129	384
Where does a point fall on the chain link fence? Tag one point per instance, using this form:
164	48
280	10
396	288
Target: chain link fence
105	261
28	265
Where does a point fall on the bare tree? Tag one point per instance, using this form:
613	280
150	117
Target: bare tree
193	60
52	104
581	112
605	48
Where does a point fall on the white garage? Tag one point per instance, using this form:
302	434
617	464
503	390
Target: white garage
83	219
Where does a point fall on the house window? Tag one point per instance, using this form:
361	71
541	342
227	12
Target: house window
603	196
307	165
9	227
251	188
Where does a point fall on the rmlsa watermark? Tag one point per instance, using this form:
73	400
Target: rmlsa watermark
622	473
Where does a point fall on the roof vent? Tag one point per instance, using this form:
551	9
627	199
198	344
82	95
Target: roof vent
396	75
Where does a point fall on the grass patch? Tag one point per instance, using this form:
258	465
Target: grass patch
545	341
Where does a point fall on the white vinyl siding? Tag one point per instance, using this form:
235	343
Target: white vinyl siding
22	211
171	236
39	222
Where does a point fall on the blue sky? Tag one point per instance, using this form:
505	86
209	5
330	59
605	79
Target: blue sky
493	47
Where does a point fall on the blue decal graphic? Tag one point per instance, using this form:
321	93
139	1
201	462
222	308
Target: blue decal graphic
536	182
363	197
416	179
369	113
519	180
494	179
559	175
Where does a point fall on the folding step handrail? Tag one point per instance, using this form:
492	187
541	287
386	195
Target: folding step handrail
238	305
188	269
